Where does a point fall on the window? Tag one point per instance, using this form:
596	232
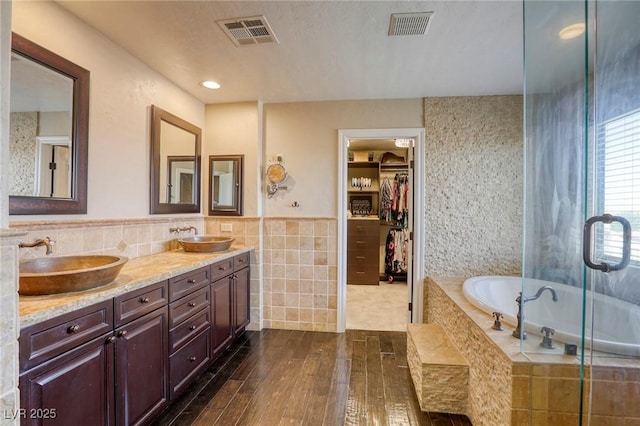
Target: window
618	183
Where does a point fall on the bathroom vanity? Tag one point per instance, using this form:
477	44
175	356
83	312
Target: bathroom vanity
121	353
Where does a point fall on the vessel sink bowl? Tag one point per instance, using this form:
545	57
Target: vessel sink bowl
53	275
205	243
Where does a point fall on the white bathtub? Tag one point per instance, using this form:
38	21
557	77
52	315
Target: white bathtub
617	323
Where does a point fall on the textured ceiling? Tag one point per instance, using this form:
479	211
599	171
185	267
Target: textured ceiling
327	50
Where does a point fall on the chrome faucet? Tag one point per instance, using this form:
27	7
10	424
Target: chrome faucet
519	333
47	242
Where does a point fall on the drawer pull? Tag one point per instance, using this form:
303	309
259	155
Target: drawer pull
360	272
144	300
111	339
192	359
191	304
122	333
221	268
360	242
72	329
360	257
240	260
191	281
193	327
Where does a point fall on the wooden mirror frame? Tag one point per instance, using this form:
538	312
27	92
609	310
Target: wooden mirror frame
238	196
159	115
77	203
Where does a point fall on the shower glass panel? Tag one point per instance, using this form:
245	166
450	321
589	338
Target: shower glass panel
582	207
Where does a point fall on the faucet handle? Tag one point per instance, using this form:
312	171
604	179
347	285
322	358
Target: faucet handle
547	341
497	324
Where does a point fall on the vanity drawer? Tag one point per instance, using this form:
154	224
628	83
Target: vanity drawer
43	341
221	269
188	361
188	282
187	306
137	303
188	329
241	261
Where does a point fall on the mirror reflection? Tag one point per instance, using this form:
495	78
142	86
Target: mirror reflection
48	129
225	185
175	154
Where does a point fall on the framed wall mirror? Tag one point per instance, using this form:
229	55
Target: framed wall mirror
175	164
48	132
225	185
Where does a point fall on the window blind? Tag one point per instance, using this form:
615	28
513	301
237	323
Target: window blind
618	183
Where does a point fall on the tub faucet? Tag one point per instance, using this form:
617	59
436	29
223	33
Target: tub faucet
554	295
47	242
519	333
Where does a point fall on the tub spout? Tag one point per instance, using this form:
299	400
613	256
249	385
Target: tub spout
541	290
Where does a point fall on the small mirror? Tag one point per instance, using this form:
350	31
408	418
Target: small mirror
175	159
225	185
48	132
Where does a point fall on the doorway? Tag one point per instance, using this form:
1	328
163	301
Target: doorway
375	268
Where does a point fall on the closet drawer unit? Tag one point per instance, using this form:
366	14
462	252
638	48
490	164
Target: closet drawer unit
137	303
189	305
362	234
221	269
369	275
186	283
363	259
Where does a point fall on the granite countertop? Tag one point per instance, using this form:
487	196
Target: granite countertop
136	273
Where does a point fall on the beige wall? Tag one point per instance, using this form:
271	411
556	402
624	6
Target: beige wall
232	129
306	134
122	90
473	189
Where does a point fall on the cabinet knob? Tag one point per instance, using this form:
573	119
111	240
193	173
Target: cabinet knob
72	329
111	339
144	300
193	327
221	268
192	359
191	304
191	281
122	333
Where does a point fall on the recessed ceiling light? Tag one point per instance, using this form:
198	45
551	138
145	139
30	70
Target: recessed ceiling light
571	31
210	84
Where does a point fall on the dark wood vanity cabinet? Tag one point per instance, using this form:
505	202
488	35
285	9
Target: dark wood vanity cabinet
121	361
189	323
230	301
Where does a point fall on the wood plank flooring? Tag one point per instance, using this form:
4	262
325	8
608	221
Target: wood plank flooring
284	377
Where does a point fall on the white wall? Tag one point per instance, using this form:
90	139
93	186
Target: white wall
306	134
122	91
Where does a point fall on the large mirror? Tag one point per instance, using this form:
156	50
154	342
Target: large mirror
175	160
225	185
48	132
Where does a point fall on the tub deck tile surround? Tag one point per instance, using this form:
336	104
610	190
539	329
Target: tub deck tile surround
539	389
439	372
135	274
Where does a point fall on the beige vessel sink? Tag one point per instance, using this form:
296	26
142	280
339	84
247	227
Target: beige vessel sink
53	275
205	243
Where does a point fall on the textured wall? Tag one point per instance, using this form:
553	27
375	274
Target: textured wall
473	217
22	149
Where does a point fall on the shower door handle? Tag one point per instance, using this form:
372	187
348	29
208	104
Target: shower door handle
626	242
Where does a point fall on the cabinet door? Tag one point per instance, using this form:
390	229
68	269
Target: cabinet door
142	361
75	388
241	300
221	330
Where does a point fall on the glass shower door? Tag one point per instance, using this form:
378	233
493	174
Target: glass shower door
582	207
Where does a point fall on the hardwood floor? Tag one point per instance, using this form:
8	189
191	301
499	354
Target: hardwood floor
279	377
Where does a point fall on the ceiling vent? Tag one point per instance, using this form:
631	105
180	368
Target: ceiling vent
409	23
246	31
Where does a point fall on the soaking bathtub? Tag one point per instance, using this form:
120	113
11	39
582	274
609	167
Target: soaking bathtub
617	323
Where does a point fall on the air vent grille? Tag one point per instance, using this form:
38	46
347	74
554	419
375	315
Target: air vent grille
250	30
403	24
